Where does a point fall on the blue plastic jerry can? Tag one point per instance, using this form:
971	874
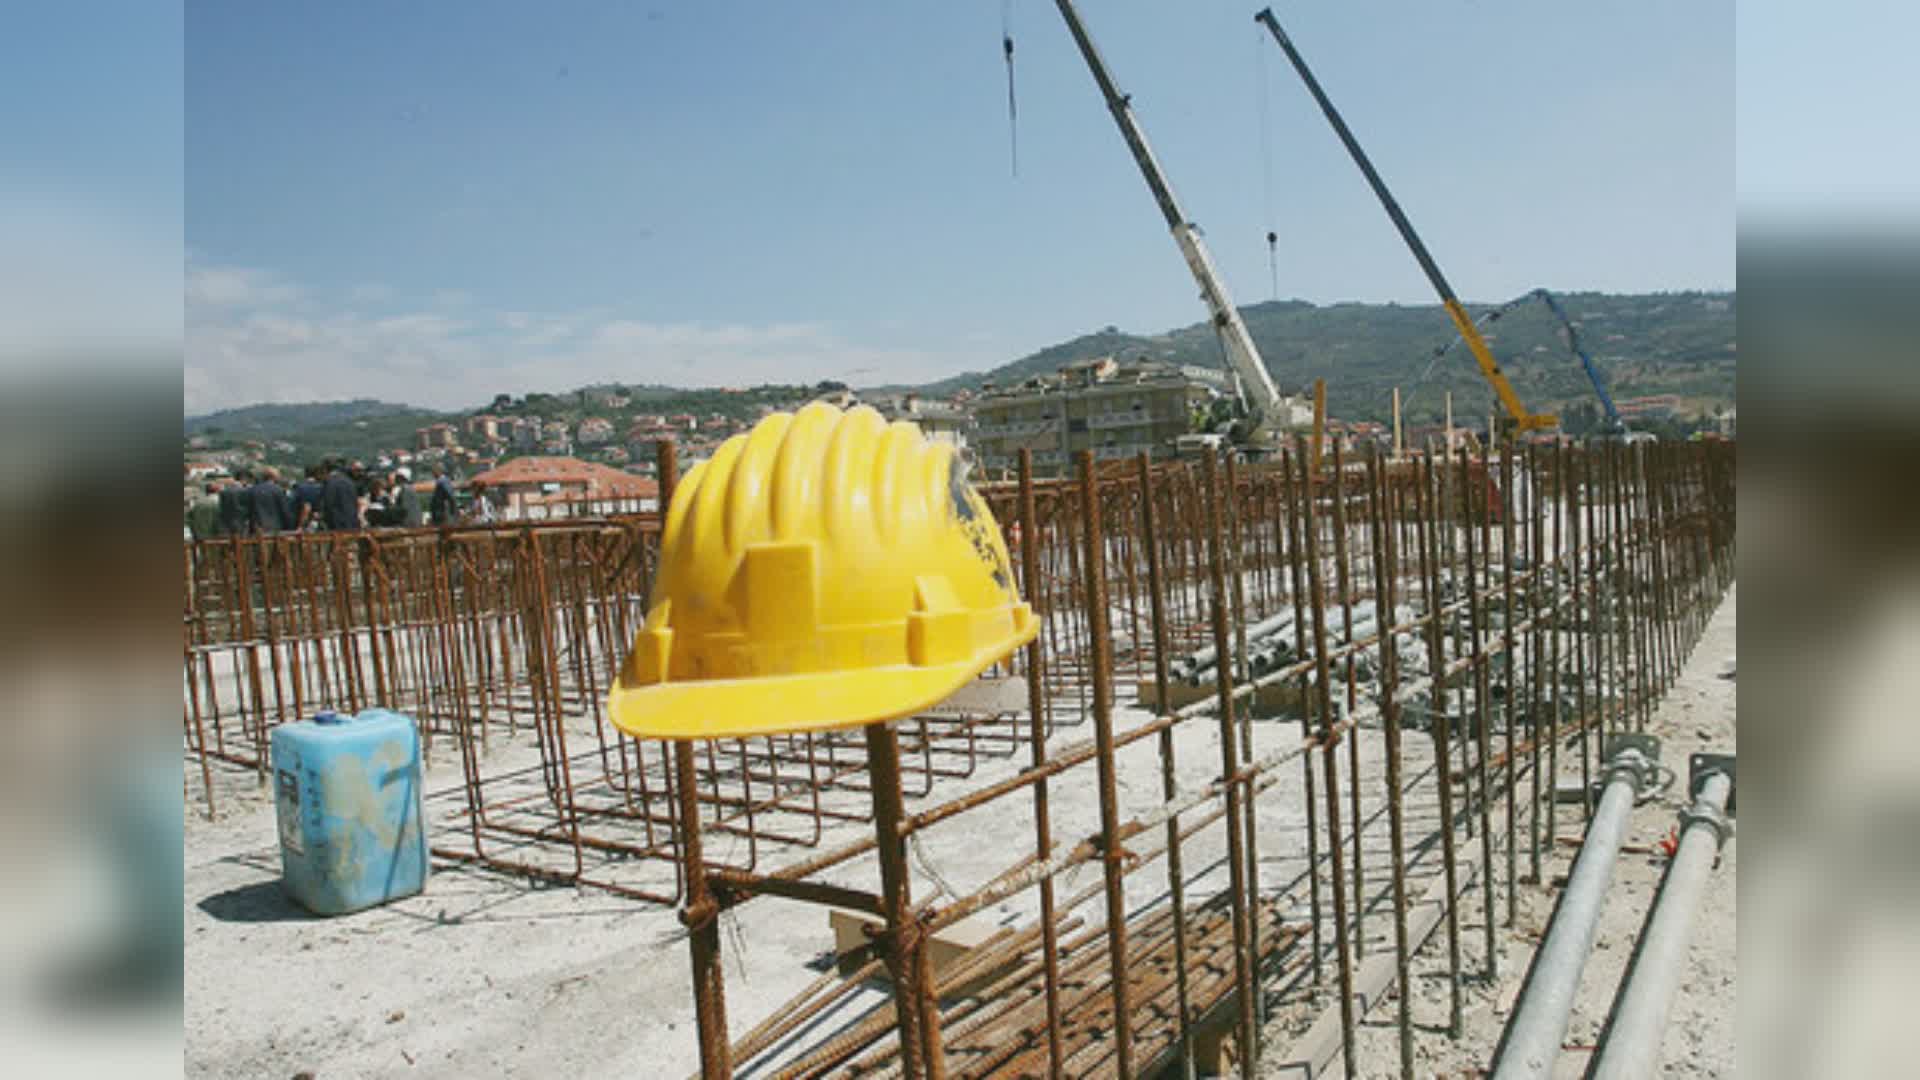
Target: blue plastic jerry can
347	788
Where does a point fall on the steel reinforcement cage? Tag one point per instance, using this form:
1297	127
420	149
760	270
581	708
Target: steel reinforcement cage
1504	608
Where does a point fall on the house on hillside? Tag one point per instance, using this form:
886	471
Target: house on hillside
595	430
526	432
539	488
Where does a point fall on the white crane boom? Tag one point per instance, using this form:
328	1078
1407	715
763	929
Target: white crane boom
1267	409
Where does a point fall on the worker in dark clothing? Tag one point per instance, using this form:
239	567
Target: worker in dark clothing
403	502
442	507
339	501
306	499
236	509
272	510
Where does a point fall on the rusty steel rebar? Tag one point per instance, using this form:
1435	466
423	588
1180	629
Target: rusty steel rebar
1243	973
1113	854
502	641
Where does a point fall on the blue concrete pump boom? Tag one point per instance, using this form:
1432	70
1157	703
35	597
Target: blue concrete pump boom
1614	422
1573	342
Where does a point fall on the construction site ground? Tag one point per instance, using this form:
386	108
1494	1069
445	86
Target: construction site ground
489	974
1697	715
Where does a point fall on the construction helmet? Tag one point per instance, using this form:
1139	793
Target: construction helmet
826	569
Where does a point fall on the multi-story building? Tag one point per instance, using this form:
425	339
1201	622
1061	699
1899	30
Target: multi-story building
1116	410
941	420
440	435
484	428
526	432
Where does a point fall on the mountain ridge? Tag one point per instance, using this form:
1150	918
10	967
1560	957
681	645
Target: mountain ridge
1680	343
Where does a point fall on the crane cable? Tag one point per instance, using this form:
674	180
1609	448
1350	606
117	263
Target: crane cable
1013	111
1266	169
1439	352
1488	318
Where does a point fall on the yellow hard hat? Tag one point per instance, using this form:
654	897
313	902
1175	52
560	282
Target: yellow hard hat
826	569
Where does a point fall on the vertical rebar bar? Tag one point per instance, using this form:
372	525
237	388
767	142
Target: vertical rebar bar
915	1009
1343	582
1236	577
1385	575
1113	856
1297	580
1536	648
1169	781
1509	774
1244	976
1437	664
1329	742
1042	818
1481	735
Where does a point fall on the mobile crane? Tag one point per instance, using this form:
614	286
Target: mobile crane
1268	413
1521	419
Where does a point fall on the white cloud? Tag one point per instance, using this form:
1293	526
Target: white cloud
235	287
78	275
253	337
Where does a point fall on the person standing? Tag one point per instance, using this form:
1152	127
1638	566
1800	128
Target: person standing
339	501
441	507
403	501
236	510
306	499
271	510
481	512
366	488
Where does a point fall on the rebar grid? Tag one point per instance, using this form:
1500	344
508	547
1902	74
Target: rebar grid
1492	611
1542	597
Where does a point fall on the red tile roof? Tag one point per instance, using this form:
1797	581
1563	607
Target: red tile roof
602	482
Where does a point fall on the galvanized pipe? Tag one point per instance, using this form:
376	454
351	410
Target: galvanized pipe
1532	1039
1631	1047
1193	664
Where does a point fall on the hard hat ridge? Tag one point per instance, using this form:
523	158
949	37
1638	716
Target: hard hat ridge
825	569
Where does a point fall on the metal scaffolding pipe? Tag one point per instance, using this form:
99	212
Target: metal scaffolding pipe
1533	1037
1634	1035
1195	663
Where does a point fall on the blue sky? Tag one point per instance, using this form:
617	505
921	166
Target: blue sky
91	183
436	202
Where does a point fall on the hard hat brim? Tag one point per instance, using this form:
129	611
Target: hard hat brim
793	704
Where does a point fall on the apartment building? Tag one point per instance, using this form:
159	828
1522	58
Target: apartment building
1114	409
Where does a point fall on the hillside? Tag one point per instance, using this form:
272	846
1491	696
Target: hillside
1661	343
362	429
274	421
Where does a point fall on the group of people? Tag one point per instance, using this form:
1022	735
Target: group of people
333	496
